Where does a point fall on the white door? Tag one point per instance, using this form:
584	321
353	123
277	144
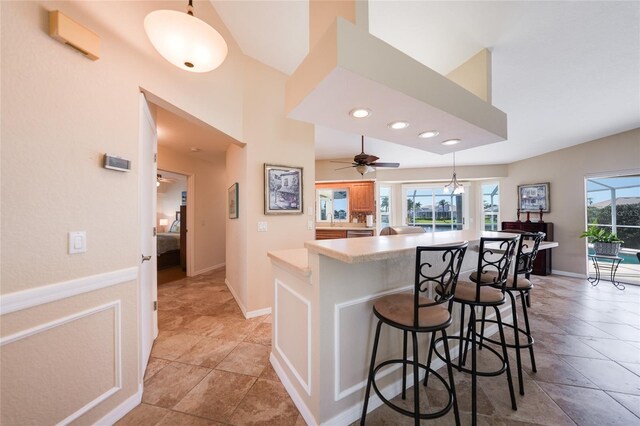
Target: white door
148	261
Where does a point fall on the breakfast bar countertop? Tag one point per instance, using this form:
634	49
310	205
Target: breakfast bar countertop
367	249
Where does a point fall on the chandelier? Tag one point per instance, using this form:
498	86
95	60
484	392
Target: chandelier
454	186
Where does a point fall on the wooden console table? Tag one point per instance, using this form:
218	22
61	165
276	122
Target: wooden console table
542	264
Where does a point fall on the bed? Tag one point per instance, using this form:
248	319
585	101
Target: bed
169	246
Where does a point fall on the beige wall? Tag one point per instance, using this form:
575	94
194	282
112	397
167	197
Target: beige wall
208	229
566	170
273	139
236	229
60	113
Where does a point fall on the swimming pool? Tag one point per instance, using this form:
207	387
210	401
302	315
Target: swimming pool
627	257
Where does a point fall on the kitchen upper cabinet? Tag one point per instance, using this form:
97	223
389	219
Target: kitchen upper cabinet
362	197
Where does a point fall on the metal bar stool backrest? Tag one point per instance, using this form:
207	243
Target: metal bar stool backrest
494	259
528	250
438	266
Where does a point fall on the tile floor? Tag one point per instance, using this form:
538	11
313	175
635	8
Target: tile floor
209	366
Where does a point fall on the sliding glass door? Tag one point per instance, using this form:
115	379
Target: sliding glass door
613	203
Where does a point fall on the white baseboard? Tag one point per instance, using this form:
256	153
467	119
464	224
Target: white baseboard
295	396
24	299
209	269
568	274
247	314
257	313
235	296
121	410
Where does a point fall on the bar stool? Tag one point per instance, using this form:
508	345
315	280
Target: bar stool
415	313
495	254
517	284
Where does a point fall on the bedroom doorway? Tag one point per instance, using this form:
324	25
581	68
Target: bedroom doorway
171	218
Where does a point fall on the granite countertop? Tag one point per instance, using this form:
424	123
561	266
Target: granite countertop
355	250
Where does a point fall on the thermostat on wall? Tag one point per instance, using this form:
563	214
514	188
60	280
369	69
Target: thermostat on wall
116	163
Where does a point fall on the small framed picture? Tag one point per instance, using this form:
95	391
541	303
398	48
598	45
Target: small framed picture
534	197
232	201
282	190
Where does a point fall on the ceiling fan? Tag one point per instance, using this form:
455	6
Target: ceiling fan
365	163
159	179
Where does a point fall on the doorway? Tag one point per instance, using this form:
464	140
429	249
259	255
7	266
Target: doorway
171	217
613	204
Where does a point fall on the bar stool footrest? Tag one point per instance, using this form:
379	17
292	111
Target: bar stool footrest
400	410
528	344
456	364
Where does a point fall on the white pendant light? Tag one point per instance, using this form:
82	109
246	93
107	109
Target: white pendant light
454	186
187	42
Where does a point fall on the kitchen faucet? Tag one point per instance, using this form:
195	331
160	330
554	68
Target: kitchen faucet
331	216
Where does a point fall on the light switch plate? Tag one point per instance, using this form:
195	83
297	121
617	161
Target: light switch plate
262	226
310	225
77	242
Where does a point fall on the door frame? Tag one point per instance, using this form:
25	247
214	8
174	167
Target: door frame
191	195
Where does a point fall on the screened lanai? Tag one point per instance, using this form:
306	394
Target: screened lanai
613	203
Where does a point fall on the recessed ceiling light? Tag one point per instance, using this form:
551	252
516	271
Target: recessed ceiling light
451	142
398	125
428	134
360	112
194	149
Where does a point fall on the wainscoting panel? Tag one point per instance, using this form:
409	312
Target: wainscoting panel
63	368
292	329
355	336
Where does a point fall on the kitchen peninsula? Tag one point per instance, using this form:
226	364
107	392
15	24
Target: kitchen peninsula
322	316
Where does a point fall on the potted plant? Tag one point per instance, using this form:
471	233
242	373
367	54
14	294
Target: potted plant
604	242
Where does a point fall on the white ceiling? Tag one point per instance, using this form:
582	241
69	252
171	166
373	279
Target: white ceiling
190	137
564	72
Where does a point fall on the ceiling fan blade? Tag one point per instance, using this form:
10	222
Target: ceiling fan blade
340	162
342	168
385	164
371	159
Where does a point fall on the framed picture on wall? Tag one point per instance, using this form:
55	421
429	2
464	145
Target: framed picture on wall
282	190
533	197
232	201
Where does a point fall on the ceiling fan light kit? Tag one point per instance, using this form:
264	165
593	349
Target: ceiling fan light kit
365	163
187	42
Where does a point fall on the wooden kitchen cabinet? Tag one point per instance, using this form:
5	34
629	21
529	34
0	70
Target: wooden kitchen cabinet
330	234
361	197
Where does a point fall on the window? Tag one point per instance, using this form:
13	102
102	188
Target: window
432	209
385	206
332	205
490	206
